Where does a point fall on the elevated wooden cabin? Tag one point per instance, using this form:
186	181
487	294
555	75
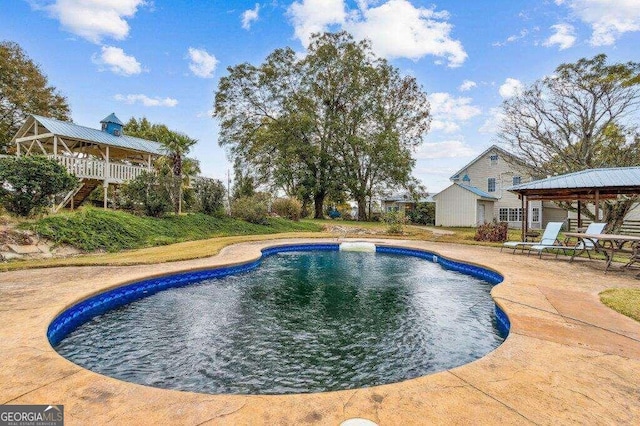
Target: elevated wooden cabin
97	157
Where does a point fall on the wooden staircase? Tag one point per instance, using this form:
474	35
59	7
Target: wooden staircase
75	197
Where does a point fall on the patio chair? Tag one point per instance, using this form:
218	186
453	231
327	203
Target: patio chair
578	248
549	238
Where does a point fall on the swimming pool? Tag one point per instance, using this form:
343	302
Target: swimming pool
297	321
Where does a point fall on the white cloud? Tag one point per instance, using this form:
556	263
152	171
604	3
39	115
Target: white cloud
445	105
146	100
444	126
444	149
467	85
511	87
314	16
95	19
449	112
205	114
118	61
512	38
608	19
493	121
203	64
250	16
396	28
564	36
399	29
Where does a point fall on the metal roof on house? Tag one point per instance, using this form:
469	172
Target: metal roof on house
587	179
407	198
74	131
477	191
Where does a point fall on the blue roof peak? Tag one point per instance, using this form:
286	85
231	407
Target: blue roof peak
111	118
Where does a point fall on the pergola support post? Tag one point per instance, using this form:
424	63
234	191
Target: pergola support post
105	190
522	231
597	206
525	216
579	214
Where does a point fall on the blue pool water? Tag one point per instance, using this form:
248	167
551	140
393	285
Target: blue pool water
303	321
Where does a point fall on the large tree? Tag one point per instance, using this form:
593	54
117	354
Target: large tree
24	90
337	119
584	115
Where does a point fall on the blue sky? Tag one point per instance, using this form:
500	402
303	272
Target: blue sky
162	59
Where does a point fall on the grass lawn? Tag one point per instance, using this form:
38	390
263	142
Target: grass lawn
623	300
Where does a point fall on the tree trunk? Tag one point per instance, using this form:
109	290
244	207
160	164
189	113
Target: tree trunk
362	208
318	204
180	197
614	213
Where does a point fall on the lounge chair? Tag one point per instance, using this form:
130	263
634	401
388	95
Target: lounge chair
549	238
594	228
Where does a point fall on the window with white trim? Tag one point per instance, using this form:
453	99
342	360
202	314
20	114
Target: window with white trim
491	185
535	214
515	215
503	214
493	159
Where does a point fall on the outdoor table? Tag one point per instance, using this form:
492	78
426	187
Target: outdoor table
531	236
615	244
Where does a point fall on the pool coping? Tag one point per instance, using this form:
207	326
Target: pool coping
567	358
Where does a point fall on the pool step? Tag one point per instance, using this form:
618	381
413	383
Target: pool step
358	246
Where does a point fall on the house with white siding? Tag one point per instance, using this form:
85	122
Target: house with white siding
478	194
403	202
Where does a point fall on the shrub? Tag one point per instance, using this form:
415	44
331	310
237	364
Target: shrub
423	214
289	208
251	209
395	222
28	183
146	194
494	232
345	211
209	196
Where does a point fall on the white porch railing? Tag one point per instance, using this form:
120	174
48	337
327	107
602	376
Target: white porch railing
85	168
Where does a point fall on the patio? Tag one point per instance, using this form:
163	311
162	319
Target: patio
568	358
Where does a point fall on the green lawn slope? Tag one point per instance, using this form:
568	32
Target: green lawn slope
92	229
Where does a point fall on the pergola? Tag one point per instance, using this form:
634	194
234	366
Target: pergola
590	185
106	156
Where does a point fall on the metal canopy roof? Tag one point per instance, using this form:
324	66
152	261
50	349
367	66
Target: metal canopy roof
586	184
74	131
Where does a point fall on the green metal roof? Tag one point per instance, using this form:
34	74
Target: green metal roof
74	131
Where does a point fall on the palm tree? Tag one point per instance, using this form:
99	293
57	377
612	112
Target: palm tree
177	145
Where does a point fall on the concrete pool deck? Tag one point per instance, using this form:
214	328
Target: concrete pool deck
568	358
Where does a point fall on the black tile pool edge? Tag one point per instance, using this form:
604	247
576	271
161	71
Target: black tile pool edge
74	316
